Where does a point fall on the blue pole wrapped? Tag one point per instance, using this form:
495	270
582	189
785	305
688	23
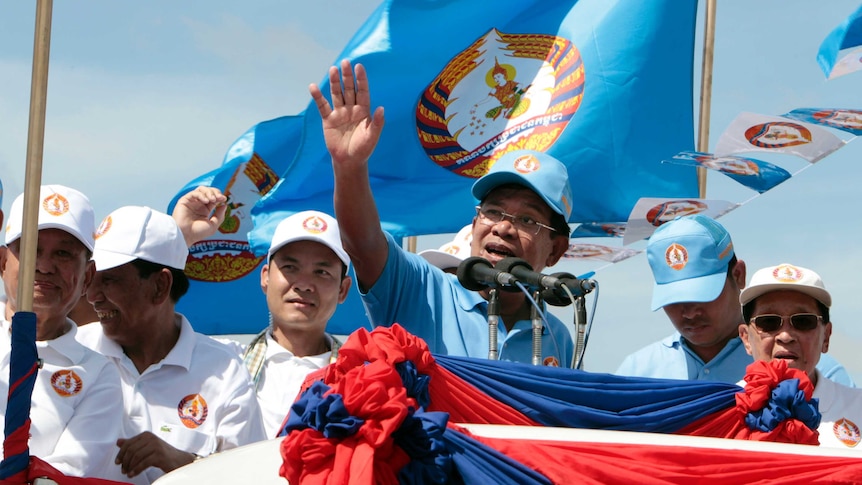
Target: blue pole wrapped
23	364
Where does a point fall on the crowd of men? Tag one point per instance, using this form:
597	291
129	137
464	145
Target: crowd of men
184	396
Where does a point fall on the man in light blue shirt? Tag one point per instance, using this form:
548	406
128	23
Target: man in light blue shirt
524	204
698	280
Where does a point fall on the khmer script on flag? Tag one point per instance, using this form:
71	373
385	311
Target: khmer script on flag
463	82
751	132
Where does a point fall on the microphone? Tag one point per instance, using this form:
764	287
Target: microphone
475	273
557	296
524	273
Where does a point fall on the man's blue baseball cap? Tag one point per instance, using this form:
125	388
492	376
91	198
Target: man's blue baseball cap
540	172
688	257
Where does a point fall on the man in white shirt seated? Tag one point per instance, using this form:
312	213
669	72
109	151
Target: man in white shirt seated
786	313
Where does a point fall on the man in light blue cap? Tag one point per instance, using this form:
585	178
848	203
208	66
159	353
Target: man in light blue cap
698	279
524	205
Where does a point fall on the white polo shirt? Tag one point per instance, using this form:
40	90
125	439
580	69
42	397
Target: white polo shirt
280	379
199	398
841	408
75	407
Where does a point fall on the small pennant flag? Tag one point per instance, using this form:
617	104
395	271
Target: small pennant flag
841	51
751	132
585	251
650	213
849	120
754	174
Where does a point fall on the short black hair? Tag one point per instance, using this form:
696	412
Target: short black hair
180	284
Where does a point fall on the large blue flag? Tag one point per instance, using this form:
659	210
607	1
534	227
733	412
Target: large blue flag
847	37
603	85
225	295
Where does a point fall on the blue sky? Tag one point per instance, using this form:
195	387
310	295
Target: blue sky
144	96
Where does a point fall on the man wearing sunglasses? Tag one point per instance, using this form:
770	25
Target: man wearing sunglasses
698	279
786	313
525	202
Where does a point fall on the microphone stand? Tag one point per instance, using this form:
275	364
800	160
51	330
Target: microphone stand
493	322
581	328
536	320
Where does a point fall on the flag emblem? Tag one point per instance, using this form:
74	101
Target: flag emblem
66	383
668	211
676	256
104	227
504	92
314	225
847	432
778	134
787	273
193	410
55	204
839	118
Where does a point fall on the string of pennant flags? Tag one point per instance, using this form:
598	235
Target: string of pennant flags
801	132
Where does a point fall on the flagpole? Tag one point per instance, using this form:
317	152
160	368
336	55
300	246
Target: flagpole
411	244
705	91
23	356
35	145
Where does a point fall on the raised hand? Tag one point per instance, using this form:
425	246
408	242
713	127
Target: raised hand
349	128
199	213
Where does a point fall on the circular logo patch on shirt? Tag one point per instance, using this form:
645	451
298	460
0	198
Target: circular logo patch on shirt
66	383
847	432
193	410
676	256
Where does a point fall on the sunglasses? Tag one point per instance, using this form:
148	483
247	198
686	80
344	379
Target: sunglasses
803	322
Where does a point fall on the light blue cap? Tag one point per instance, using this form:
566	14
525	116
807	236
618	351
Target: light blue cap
688	257
540	172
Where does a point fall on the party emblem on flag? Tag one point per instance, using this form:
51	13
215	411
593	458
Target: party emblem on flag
505	92
839	118
230	257
104	227
670	210
778	134
193	410
787	273
676	256
66	382
55	204
847	432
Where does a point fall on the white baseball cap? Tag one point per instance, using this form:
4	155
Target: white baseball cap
453	252
786	277
134	232
309	226
60	207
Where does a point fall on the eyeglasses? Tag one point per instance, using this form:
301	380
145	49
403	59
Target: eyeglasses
491	215
803	322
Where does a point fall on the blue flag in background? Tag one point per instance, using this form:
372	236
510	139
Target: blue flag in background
225	295
848	35
603	85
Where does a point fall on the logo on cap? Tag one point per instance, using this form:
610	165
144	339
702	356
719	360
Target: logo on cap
55	204
847	432
527	164
676	256
193	410
786	273
314	225
66	382
103	227
451	249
